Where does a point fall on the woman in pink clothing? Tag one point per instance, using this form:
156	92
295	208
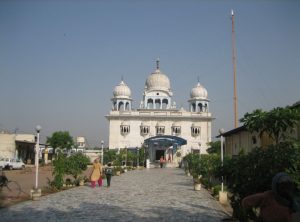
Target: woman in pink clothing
276	205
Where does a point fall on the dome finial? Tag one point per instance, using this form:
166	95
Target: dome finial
198	79
157	63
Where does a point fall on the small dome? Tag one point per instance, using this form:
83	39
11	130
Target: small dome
198	92
122	90
158	81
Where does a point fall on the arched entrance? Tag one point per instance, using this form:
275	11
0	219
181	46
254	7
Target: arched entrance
163	145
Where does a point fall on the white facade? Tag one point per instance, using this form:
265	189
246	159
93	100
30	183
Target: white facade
80	141
157	115
7	145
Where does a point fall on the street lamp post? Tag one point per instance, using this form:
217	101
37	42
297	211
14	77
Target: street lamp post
37	151
102	151
36	192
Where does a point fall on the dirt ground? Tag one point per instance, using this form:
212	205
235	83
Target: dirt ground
24	181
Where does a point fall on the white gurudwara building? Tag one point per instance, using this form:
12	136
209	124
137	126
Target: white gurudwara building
158	124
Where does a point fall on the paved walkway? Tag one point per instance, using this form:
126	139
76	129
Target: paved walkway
142	195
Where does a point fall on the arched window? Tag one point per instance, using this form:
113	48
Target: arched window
195	131
124	129
193	107
200	107
164	104
157	103
150	103
121	106
127	107
144	130
205	107
176	130
160	130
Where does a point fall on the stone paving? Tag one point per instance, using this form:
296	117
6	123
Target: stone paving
142	195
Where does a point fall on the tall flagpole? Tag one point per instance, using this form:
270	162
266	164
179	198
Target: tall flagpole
234	71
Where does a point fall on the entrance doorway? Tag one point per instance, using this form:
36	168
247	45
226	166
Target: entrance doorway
159	153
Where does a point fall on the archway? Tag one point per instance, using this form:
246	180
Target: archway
163	145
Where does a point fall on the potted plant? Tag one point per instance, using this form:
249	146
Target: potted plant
197	182
81	181
117	170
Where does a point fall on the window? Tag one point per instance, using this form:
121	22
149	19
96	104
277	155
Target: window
200	107
121	106
194	151
125	129
144	130
176	130
150	104
195	131
193	107
157	104
160	130
164	103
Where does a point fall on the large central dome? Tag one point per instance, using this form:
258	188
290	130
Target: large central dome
158	81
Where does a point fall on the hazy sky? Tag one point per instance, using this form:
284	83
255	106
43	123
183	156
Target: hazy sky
60	60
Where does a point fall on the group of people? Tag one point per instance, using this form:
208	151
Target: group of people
97	173
162	160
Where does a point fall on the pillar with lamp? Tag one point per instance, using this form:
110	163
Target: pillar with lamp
36	192
222	193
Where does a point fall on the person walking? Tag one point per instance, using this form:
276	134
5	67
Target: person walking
96	174
108	173
277	204
161	161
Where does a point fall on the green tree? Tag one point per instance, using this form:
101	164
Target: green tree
60	139
274	123
215	147
109	156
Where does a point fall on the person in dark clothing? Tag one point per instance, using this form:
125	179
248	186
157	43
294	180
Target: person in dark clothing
279	204
108	173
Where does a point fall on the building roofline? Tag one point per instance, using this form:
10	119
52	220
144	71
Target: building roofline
233	131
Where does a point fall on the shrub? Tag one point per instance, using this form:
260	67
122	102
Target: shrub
59	170
216	189
253	173
76	164
73	165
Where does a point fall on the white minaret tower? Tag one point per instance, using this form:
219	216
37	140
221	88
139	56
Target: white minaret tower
199	101
122	97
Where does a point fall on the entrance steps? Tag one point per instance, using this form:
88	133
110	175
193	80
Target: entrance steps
166	165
